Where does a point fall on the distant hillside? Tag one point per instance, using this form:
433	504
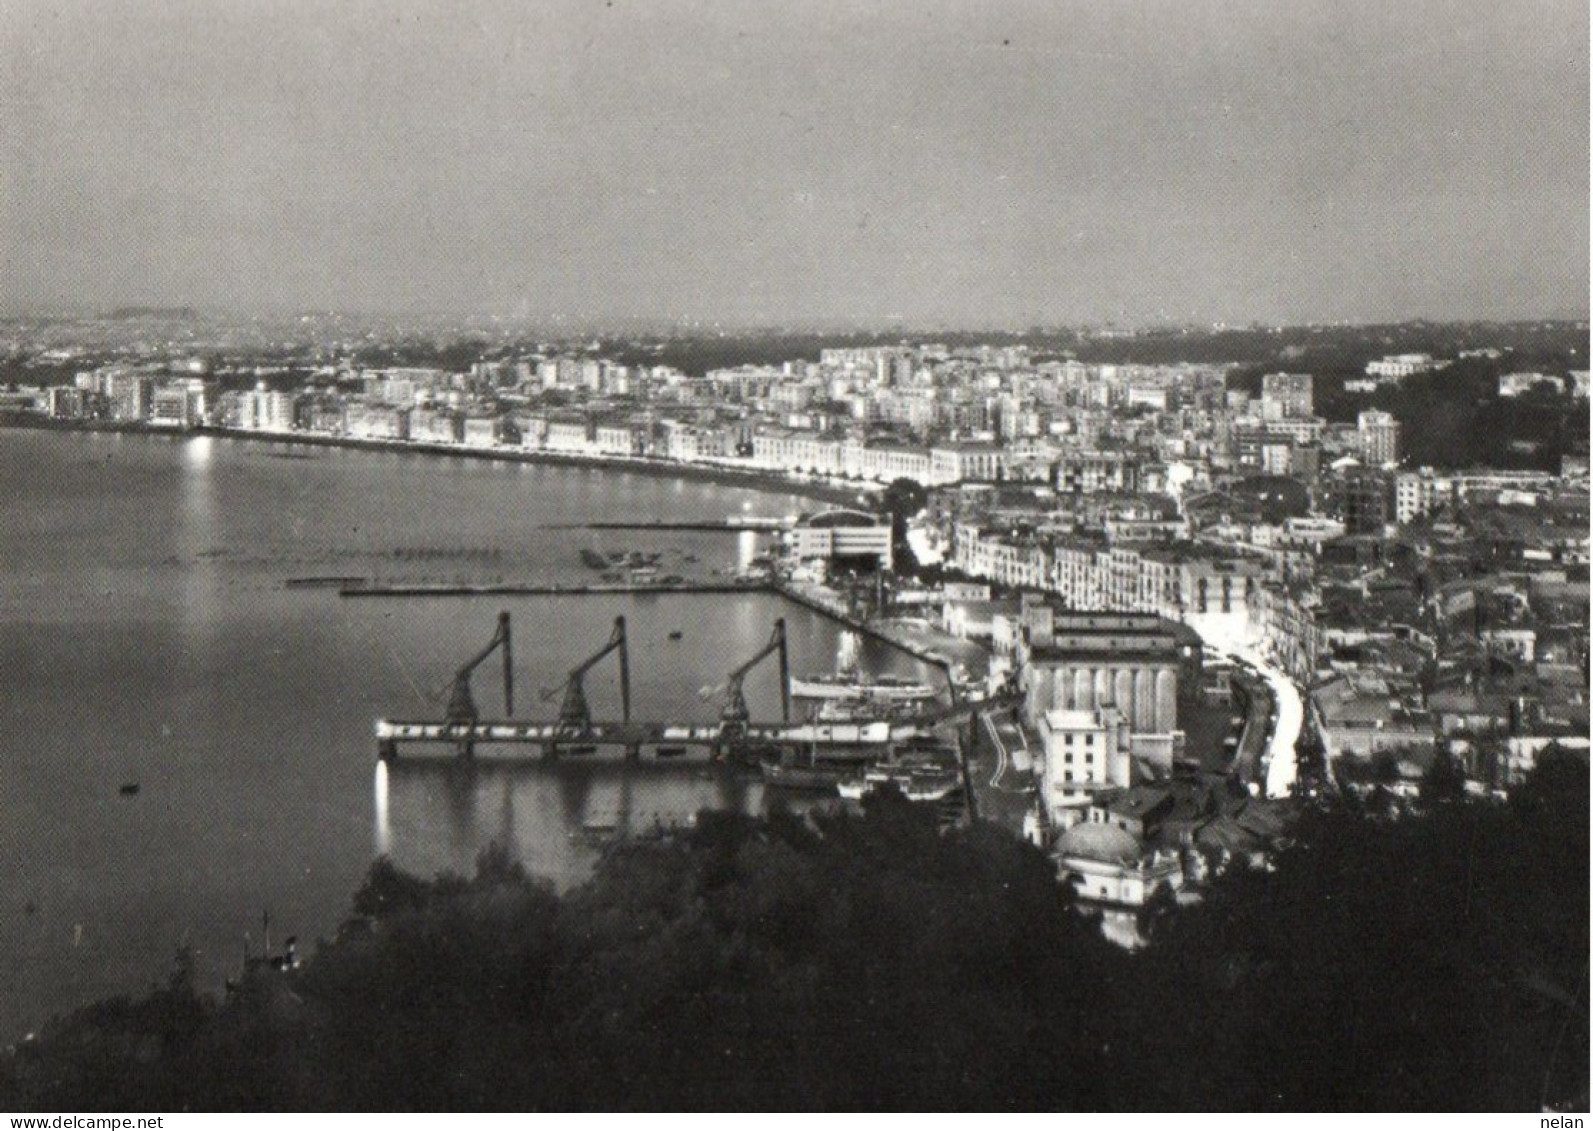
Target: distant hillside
166	313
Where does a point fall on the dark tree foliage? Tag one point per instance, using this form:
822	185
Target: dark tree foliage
876	962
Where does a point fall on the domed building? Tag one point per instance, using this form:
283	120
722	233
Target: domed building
1108	864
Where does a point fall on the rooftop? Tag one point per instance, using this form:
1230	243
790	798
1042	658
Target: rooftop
1106	844
1071	720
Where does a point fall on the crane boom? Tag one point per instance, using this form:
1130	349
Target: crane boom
575	716
461	705
735	714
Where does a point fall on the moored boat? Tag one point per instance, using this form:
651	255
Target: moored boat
787	775
854	685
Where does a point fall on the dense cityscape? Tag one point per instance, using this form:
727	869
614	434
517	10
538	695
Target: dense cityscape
606	557
1412	620
1186	614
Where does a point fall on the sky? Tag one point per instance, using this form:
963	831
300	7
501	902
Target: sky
958	163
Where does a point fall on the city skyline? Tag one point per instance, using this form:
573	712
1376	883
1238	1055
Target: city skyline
939	166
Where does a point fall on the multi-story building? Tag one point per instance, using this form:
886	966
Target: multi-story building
376	422
1182	581
177	404
1085	752
1017	561
533	430
67	402
433	426
1362	499
1515	384
129	395
1378	434
482	431
617	440
1077	664
843	534
797	451
689	442
1288	614
572	435
967	462
1421	492
1400	365
1286	395
260	409
1086	472
1250	438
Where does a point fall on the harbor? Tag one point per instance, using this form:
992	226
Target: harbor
880	735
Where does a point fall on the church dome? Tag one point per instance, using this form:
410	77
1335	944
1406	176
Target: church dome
1103	843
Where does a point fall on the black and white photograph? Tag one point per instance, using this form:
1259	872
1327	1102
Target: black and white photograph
618	556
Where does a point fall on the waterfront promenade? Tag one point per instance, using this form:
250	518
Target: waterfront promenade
729	475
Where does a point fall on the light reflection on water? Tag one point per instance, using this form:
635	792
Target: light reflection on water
437	815
384	829
146	636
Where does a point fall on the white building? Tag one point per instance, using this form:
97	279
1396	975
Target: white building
1515	384
1401	365
840	534
1420	492
1105	864
1084	751
1377	434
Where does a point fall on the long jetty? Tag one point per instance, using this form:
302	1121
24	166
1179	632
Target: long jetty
727	526
860	627
362	587
531	589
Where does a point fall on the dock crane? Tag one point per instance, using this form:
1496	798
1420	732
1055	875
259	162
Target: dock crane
575	715
461	705
735	716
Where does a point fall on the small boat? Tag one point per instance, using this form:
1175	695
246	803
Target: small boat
579	748
129	789
676	635
913	784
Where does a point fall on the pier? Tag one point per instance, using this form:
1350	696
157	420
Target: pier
736	737
732	525
863	628
695	742
361	587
